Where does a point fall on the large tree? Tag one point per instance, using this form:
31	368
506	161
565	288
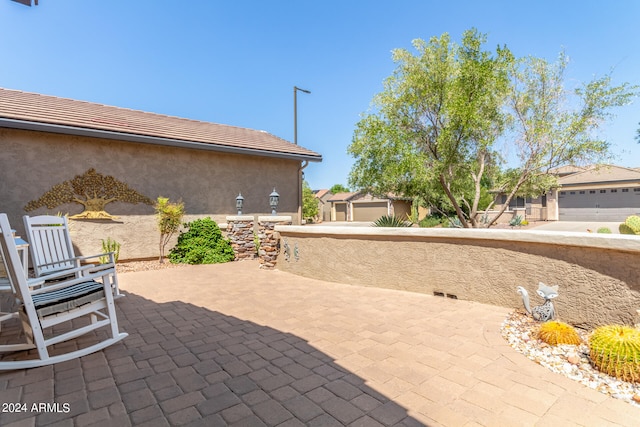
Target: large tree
434	126
338	188
434	129
553	126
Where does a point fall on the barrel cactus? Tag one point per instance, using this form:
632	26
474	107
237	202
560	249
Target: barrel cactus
631	225
554	332
615	351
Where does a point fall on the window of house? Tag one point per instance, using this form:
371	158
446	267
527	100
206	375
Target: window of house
603	191
614	191
572	192
582	192
636	190
625	190
562	193
516	202
592	191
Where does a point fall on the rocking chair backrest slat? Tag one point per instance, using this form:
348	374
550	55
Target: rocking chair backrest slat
49	243
12	262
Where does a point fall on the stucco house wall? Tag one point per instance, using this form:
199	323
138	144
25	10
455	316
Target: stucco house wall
207	182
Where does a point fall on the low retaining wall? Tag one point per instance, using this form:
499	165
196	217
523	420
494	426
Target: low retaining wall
598	275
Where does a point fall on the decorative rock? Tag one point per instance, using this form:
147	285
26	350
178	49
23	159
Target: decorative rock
574	359
568	360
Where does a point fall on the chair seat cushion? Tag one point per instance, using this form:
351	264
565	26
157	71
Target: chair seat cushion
65	299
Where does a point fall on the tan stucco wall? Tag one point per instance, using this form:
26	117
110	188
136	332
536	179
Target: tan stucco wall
208	183
599	276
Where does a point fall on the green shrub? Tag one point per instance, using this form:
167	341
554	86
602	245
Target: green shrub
604	230
202	244
453	222
391	221
430	221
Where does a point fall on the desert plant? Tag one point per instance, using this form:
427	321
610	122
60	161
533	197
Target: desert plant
524	222
631	225
391	221
604	230
169	217
516	221
110	245
202	244
554	332
615	351
453	222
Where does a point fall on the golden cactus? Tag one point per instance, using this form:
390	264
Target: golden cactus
554	333
615	351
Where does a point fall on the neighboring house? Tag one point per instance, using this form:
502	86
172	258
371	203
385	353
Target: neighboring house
324	206
46	140
602	193
360	206
605	193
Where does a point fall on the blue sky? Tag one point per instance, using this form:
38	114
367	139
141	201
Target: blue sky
236	62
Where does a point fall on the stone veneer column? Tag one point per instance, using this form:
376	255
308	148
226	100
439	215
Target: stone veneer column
240	233
270	239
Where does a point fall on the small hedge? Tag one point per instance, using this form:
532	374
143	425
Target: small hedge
202	244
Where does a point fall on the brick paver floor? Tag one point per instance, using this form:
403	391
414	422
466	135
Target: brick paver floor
235	345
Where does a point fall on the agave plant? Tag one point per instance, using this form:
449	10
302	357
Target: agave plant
391	221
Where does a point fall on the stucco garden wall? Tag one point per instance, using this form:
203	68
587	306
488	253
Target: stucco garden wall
599	276
208	183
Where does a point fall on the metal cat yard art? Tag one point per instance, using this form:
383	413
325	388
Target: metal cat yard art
545	311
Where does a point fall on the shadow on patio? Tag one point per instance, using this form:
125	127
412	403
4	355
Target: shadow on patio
183	364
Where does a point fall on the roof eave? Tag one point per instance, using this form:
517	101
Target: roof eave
145	139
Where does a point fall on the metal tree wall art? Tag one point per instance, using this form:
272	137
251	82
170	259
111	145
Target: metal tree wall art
93	191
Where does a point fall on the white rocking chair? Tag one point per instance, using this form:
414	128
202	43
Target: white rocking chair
42	309
52	251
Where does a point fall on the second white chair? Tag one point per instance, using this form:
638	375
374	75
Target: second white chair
51	248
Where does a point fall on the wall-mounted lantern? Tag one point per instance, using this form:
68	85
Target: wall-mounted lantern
274	198
239	203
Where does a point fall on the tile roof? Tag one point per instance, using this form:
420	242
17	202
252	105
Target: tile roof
25	110
341	197
601	174
319	194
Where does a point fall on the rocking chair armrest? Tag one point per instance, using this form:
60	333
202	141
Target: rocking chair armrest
85	278
110	255
75	260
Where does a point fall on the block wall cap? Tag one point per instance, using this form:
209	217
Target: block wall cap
274	218
620	242
240	218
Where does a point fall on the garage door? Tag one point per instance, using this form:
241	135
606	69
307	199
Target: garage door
370	211
611	204
341	211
